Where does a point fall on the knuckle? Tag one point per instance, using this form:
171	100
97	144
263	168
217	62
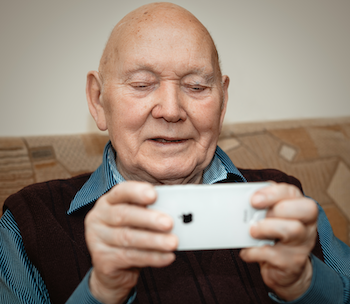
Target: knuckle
313	209
97	212
313	231
282	263
129	278
129	255
282	208
120	214
268	251
295	266
293	191
117	219
278	259
295	231
311	238
91	215
299	261
158	258
163	258
125	258
106	269
136	257
104	260
115	191
298	229
125	237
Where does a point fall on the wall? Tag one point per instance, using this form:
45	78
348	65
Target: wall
286	59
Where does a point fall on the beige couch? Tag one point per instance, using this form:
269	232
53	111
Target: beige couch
315	151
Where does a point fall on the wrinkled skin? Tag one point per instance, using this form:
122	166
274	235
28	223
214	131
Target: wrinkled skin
160	93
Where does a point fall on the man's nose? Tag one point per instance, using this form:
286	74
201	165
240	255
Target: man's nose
169	103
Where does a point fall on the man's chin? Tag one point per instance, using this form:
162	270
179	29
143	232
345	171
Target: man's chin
175	174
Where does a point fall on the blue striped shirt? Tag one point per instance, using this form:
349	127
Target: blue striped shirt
20	281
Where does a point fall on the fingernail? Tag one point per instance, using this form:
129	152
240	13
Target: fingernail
242	253
150	193
171	242
254	225
258	198
164	222
168	256
253	228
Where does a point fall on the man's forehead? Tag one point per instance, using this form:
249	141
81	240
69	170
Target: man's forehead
150	26
206	72
179	55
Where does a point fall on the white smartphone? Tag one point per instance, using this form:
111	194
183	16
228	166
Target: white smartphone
211	216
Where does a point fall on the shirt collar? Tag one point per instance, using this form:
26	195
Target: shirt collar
107	175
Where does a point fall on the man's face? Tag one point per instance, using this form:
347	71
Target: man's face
164	105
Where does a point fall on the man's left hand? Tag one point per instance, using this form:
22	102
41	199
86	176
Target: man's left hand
291	220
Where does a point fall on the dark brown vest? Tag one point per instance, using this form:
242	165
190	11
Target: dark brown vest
55	244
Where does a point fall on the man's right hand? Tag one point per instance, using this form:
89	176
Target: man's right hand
122	236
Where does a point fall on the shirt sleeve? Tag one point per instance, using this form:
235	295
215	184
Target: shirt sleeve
82	293
20	281
330	280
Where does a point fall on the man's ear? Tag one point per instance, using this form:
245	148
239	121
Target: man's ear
94	99
225	83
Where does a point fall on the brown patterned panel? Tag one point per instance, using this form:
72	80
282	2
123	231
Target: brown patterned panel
244	158
339	189
42	153
262	150
346	129
331	142
45	165
48	170
15	167
265	146
228	143
94	144
315	177
298	137
74	153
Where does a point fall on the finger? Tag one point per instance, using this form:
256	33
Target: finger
143	258
279	256
126	258
269	196
132	192
140	239
302	209
286	231
134	216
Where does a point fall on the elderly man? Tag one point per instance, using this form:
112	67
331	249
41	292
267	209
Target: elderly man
160	93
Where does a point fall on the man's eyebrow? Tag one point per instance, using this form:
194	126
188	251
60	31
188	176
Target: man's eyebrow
208	77
136	70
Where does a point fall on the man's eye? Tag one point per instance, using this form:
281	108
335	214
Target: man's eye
198	88
140	86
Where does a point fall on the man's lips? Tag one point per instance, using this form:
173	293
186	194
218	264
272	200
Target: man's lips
167	140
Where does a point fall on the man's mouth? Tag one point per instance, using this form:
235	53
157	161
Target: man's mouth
163	140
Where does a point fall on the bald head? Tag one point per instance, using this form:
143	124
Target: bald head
167	17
